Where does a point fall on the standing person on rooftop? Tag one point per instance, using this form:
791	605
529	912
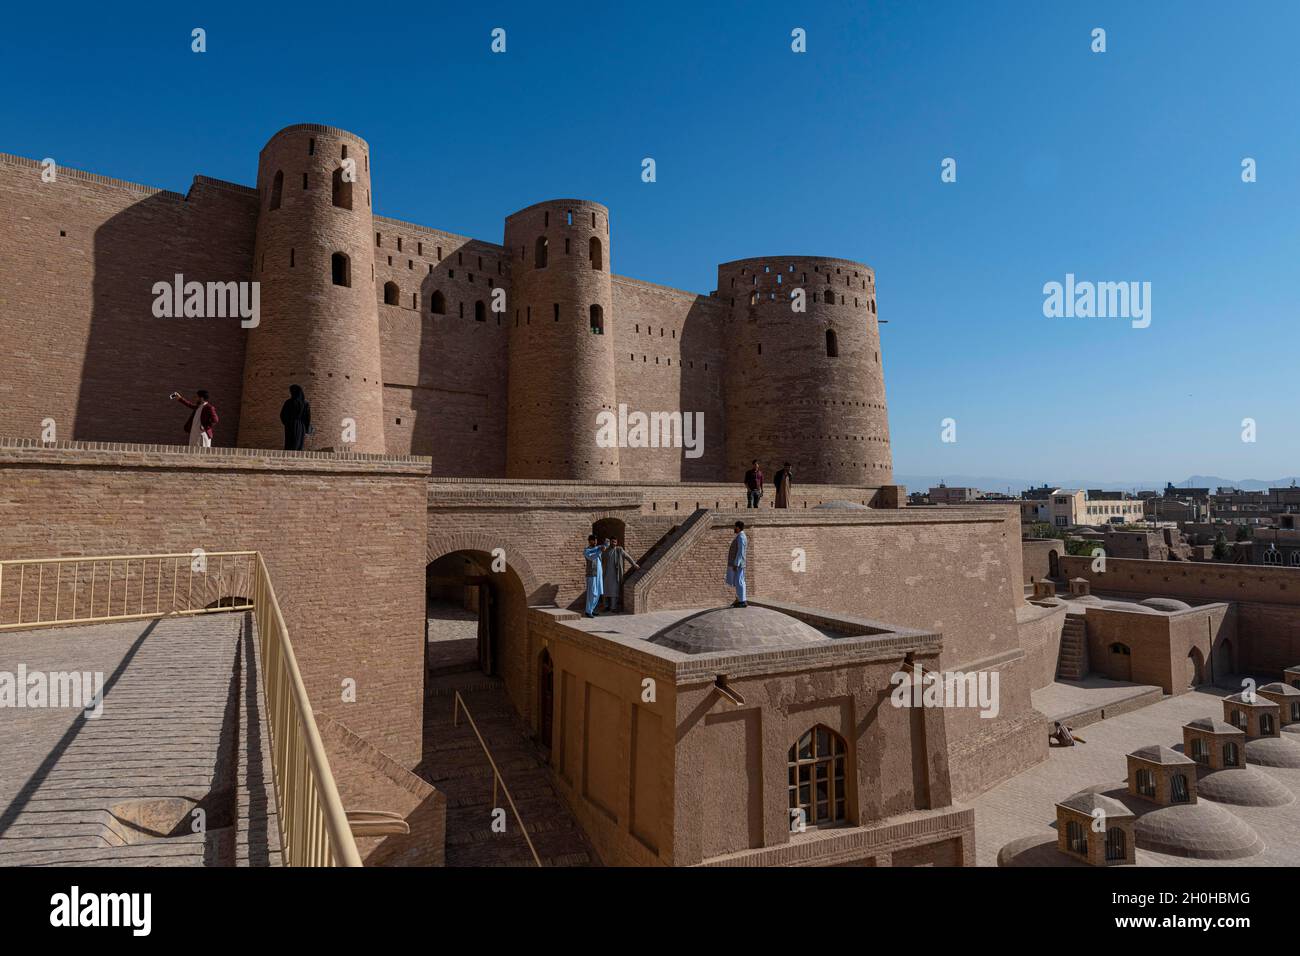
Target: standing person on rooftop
295	416
592	555
198	427
784	479
753	485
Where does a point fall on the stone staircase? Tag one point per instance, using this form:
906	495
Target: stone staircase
1073	662
455	764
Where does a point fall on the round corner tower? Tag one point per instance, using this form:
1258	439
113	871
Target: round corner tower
561	354
803	379
319	326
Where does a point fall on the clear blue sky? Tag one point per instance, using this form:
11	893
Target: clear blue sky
1117	166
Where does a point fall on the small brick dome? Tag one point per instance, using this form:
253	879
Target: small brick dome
1243	787
737	629
1166	604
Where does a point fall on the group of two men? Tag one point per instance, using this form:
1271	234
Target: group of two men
605	567
754	485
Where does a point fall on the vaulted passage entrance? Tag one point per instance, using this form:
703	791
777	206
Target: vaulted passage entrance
471	599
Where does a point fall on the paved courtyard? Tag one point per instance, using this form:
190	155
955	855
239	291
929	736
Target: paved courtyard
1024	806
120	788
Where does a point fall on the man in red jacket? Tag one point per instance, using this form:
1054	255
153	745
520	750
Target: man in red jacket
199	425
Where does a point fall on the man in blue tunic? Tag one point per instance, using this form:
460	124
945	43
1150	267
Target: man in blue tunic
594	591
736	564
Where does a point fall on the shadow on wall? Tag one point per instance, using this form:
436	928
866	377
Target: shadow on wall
701	389
457	405
134	360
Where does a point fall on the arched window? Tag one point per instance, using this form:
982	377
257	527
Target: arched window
830	297
598	261
753	298
480	311
539	253
1295	710
1116	845
277	189
832	344
1272	555
342	190
1178	789
438	304
817	776
1200	751
1118	648
341	269
392	295
1266	725
1076	837
1238	718
1146	783
1293	558
1230	758
597	320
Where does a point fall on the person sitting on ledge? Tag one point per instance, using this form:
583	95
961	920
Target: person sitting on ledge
1062	737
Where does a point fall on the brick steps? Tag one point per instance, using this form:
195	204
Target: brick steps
1073	661
455	764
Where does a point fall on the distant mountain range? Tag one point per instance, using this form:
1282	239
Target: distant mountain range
1017	485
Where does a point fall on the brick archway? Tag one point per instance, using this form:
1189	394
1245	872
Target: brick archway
470	541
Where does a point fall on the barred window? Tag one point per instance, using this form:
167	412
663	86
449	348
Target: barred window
1076	837
1178	788
1146	783
1116	845
817	776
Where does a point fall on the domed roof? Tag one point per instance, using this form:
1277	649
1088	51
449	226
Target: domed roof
1201	830
840	505
1273	752
737	629
1166	604
1244	787
1128	606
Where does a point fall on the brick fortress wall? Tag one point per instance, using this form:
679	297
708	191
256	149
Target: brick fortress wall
409	348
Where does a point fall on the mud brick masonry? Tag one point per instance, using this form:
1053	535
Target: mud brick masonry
392	326
473	373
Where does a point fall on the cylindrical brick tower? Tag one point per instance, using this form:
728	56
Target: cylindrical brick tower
561	342
314	258
805	387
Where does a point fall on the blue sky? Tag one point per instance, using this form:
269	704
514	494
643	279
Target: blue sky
1120	166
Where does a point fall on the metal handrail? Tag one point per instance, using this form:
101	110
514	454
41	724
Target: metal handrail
314	829
50	585
497	779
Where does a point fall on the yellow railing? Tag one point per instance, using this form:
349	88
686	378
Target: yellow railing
314	829
47	591
497	779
